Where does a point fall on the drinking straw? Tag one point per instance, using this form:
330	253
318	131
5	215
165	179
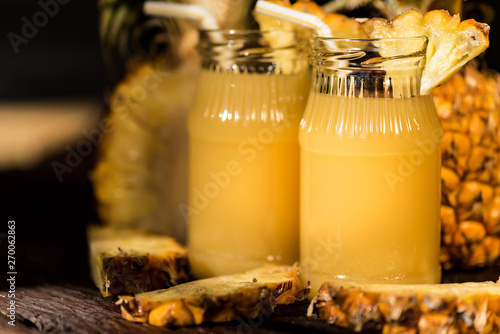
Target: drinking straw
294	16
188	11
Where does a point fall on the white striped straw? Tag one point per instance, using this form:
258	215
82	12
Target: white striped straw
294	16
194	12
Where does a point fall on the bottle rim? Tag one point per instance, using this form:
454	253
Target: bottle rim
388	67
366	54
254	51
391	39
229	37
247	31
395	47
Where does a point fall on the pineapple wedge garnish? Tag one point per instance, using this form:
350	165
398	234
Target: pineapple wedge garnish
131	261
426	308
217	299
451	43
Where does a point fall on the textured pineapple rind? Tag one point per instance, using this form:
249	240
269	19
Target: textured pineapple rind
217	299
130	261
427	308
469	108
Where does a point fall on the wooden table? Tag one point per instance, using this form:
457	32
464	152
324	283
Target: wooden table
77	307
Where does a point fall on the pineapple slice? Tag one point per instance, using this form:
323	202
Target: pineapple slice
217	299
427	308
131	261
451	43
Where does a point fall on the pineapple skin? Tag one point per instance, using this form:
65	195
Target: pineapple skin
469	108
136	273
421	311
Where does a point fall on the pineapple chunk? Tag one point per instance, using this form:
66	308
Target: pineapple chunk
345	27
217	299
451	43
309	7
275	27
277	38
269	23
131	261
426	308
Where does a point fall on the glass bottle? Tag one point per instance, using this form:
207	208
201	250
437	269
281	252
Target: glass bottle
370	165
244	152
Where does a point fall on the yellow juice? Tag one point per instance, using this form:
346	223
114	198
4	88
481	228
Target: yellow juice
244	170
370	190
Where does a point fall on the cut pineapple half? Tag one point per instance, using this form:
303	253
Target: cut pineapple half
130	261
426	308
451	43
217	299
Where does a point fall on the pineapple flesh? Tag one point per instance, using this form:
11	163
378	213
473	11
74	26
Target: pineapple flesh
217	299
345	27
426	308
131	261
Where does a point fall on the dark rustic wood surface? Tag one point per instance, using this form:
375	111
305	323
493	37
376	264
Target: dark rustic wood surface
78	307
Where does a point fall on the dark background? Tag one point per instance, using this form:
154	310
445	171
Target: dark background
64	58
63	61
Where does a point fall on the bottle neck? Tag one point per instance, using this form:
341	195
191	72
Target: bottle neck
382	68
248	51
371	83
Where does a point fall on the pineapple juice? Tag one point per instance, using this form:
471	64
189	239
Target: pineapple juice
370	202
244	169
370	166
